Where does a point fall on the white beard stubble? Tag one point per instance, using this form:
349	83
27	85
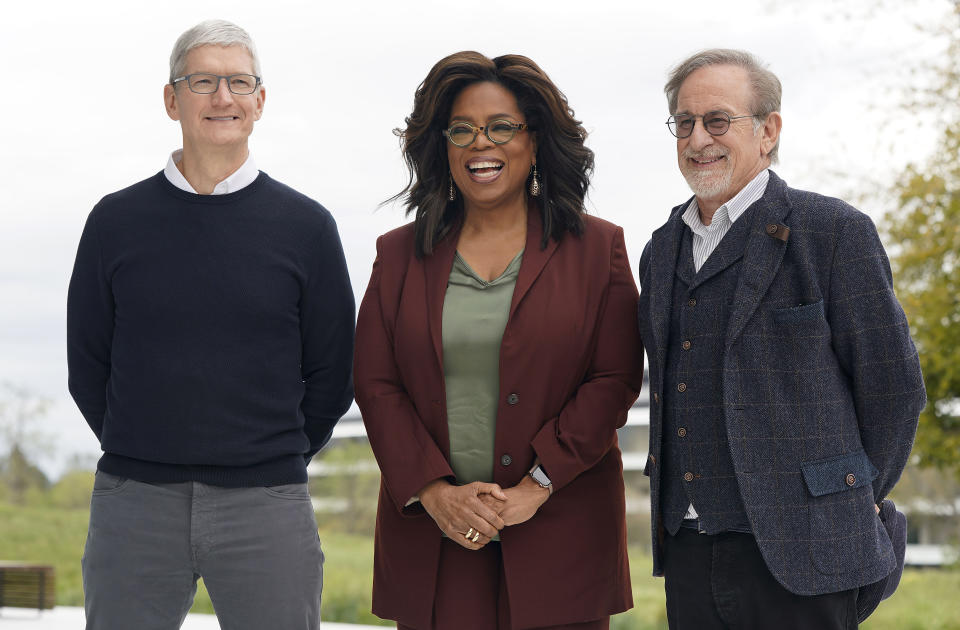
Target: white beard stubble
706	185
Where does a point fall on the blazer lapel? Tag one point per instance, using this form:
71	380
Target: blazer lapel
534	258
685	268
664	244
764	252
436	270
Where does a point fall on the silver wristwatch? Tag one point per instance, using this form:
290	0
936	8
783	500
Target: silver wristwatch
541	478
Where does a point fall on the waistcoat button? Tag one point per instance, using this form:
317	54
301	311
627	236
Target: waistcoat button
686	344
682	432
682	387
513	399
851	479
505	459
688	476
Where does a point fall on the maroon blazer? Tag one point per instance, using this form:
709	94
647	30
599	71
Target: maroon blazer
570	367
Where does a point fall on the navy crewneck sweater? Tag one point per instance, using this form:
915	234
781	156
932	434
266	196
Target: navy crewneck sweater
210	337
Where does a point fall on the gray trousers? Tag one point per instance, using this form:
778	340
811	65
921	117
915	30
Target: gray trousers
257	550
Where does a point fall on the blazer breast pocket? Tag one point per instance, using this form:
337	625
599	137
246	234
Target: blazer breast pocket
802	314
805	329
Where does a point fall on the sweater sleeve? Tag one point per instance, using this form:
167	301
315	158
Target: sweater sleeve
90	311
326	327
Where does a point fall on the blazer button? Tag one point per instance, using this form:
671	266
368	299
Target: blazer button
505	459
688	476
513	399
653	460
656	397
686	344
692	302
682	387
851	479
682	432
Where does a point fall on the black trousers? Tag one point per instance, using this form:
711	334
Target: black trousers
722	583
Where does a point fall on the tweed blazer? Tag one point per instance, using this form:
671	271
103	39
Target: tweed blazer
571	365
821	385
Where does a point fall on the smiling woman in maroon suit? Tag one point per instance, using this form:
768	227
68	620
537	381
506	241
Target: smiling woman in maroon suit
497	353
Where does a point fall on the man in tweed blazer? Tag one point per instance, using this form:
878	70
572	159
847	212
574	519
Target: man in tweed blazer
785	389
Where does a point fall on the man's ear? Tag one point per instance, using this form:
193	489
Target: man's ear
261	99
170	101
771	132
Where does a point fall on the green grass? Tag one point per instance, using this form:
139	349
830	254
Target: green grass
926	600
42	535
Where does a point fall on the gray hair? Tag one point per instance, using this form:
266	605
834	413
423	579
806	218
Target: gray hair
210	33
765	84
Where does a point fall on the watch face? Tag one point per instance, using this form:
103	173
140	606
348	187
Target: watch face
540	477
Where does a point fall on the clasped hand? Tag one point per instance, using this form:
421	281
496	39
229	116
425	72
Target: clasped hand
483	507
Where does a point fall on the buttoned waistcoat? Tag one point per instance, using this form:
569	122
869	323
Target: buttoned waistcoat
571	366
821	386
695	464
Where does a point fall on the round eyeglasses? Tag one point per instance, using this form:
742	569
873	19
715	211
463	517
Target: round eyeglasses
206	83
716	123
462	134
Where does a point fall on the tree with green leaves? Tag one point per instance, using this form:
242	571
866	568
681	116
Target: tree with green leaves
19	410
924	233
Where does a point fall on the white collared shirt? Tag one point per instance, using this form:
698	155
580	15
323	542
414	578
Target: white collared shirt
707	237
240	178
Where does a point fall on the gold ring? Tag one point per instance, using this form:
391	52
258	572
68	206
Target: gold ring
469	534
476	537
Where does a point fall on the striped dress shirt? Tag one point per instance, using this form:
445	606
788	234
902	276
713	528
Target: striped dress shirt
707	237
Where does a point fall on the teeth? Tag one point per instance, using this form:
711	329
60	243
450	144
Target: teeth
479	165
222	117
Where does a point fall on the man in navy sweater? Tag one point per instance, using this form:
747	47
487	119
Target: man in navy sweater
210	334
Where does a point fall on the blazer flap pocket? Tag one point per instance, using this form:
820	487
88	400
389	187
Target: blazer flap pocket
843	472
797	314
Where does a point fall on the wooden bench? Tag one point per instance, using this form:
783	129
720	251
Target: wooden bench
27	586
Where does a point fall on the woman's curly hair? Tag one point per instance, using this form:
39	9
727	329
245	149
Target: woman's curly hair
564	164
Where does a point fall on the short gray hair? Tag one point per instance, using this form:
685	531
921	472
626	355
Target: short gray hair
210	33
765	84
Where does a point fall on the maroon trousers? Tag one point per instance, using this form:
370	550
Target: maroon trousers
472	595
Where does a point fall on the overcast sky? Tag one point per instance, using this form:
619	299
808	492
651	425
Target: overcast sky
83	116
